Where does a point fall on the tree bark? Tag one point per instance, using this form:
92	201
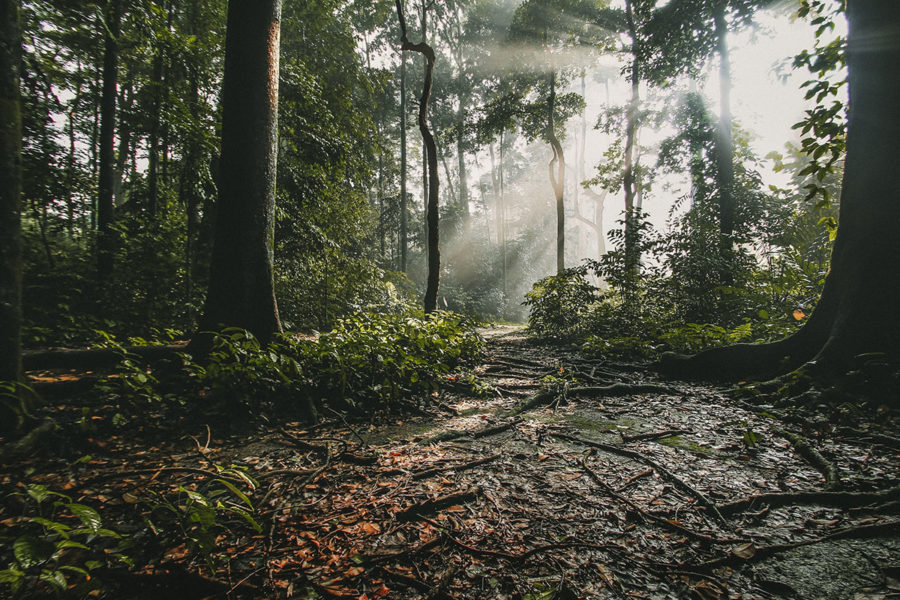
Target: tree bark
107	175
241	288
10	193
557	177
431	216
858	310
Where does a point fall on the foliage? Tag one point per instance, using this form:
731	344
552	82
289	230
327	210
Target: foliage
62	543
202	511
559	304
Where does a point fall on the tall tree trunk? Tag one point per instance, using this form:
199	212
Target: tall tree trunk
725	148
10	192
403	166
107	173
857	313
241	288
431	213
632	243
557	177
461	155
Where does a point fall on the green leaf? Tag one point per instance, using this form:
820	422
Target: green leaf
31	551
89	516
236	492
54	578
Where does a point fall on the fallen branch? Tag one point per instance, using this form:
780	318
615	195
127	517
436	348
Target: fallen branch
458	467
344	455
829	499
664	472
819	462
58	358
435	504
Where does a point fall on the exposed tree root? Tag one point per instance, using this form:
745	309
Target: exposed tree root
448	436
815	458
665	523
421	509
829	499
753	555
621	389
664	472
640	437
418	475
28	442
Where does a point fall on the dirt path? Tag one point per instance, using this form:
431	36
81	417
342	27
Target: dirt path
570	479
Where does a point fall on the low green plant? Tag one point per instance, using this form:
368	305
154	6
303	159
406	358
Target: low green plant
201	511
14	403
559	305
59	544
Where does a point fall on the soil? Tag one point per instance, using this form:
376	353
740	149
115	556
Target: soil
593	492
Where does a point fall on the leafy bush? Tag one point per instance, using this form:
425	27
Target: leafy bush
63	542
560	304
201	511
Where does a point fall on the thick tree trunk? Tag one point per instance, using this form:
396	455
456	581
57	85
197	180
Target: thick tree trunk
431	213
725	148
107	175
10	192
858	310
557	177
241	288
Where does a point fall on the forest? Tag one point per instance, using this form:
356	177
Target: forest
449	299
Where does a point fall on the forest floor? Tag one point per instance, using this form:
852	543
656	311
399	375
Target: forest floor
573	479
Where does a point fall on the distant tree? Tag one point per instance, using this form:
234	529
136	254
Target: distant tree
10	189
678	39
857	313
241	287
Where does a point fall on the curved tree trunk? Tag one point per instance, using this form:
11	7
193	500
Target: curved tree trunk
241	287
10	191
431	216
557	177
403	192
858	309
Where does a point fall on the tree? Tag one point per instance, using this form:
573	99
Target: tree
106	186
241	287
10	189
857	313
680	37
431	213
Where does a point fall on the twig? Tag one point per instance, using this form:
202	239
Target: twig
460	433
